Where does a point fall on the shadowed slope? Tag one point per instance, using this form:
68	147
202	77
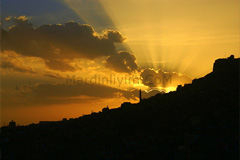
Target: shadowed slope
198	121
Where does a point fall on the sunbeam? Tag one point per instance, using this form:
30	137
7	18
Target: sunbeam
176	35
92	12
65	58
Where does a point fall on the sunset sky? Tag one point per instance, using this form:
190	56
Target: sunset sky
112	48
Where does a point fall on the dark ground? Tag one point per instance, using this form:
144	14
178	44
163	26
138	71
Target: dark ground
199	121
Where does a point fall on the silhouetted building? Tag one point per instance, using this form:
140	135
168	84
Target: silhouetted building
222	65
12	124
231	57
105	109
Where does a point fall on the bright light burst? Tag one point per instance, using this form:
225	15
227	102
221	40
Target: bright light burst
169	35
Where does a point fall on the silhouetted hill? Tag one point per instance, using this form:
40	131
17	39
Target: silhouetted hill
199	121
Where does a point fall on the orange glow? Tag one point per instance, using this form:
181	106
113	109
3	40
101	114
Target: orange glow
34	114
180	38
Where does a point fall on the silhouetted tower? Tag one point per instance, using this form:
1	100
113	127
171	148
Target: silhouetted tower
105	109
12	124
140	95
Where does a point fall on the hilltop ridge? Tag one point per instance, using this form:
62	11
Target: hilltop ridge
198	121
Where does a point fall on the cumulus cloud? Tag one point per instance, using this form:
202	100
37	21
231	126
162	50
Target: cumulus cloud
59	44
114	36
153	78
122	62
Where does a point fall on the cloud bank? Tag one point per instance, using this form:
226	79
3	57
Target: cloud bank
59	44
122	62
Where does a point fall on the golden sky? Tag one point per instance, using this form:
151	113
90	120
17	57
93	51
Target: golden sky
112	48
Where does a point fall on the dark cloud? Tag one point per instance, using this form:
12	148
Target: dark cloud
21	23
122	62
159	78
59	44
51	75
63	90
114	36
59	65
26	88
48	94
64	93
